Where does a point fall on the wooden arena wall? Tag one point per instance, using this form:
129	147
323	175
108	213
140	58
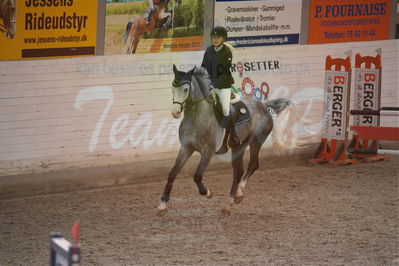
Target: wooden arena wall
96	111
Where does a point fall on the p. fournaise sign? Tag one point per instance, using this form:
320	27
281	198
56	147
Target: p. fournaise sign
349	20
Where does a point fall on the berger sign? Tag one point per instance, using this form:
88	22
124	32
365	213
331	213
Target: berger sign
366	95
335	104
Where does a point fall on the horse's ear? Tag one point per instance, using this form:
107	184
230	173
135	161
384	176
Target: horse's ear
175	70
178	77
191	72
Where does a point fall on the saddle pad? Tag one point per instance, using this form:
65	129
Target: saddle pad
239	110
242	112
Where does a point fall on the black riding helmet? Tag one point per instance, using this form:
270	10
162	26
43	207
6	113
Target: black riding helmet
219	31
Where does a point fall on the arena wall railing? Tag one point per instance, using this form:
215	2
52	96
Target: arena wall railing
108	110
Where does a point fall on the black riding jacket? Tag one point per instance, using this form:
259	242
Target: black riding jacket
218	65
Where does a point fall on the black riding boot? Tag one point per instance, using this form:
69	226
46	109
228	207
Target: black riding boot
223	149
231	136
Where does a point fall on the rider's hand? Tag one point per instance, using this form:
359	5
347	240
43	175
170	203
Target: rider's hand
213	95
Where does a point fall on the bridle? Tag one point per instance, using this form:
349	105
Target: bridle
188	96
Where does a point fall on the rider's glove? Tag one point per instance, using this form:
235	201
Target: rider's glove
213	94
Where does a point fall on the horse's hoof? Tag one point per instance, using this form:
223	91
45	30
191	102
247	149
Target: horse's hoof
226	211
162	209
208	194
238	199
161	213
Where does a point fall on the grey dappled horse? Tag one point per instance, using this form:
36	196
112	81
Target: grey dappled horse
200	131
7	15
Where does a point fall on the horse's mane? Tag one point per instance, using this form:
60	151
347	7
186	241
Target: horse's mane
201	81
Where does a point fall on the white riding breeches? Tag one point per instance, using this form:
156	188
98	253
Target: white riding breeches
224	97
151	4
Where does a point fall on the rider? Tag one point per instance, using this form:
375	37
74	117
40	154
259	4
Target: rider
217	61
148	12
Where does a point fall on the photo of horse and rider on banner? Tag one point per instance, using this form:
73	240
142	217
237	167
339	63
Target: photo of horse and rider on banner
148	26
7	18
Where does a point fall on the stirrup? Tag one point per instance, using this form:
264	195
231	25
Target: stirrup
223	149
234	140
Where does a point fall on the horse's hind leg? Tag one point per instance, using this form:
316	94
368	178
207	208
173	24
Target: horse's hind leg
136	43
134	34
238	171
184	154
204	162
253	165
131	45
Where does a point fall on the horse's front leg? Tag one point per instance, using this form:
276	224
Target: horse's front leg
184	153
204	162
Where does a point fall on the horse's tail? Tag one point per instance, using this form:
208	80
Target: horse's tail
283	112
127	31
279	105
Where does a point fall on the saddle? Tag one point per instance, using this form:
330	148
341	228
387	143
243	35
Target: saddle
239	112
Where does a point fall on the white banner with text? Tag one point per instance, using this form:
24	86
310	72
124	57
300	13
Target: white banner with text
259	23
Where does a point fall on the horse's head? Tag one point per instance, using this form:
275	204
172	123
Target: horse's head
8	17
182	89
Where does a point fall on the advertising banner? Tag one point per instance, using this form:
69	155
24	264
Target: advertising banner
335	104
46	29
259	23
148	26
366	95
334	21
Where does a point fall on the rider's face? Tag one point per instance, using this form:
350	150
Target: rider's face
217	40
